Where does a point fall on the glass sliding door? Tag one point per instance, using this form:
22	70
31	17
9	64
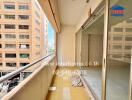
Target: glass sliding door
119	42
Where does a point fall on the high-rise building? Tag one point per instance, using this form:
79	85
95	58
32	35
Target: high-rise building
23	33
120	41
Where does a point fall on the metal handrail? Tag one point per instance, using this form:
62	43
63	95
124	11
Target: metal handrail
16	72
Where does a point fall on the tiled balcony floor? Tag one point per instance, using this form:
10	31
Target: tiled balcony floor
64	89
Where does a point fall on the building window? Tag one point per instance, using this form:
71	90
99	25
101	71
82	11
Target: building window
23	26
9	26
0	55
128	29
118	29
23	64
117	46
24	46
37	14
37	5
0	36
128	38
23	17
23	7
0	45
38	46
9	16
9	46
37	53
128	47
37	30
10	36
129	20
10	55
23	36
7	6
116	55
11	64
37	22
127	56
4	73
1	64
23	55
117	38
38	38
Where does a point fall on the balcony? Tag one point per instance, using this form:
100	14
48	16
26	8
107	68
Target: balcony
86	39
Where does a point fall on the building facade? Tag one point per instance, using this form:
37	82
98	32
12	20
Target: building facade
23	33
120	41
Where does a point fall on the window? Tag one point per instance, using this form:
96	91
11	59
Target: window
0	45
23	7
23	17
10	36
10	46
24	46
0	36
38	38
24	55
1	64
37	30
23	26
128	47
129	21
7	6
37	22
117	46
38	46
117	38
127	55
9	26
37	5
118	29
9	16
0	55
128	29
116	55
128	38
37	53
37	14
4	73
23	64
23	36
10	55
11	64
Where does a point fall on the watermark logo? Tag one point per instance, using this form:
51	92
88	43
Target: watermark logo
117	10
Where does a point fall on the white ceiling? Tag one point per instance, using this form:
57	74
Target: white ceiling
70	11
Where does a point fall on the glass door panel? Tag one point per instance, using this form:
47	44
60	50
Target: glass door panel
119	49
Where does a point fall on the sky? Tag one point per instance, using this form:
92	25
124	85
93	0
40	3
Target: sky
51	35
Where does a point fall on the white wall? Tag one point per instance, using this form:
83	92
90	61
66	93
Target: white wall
66	46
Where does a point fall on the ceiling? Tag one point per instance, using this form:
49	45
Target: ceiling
70	11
